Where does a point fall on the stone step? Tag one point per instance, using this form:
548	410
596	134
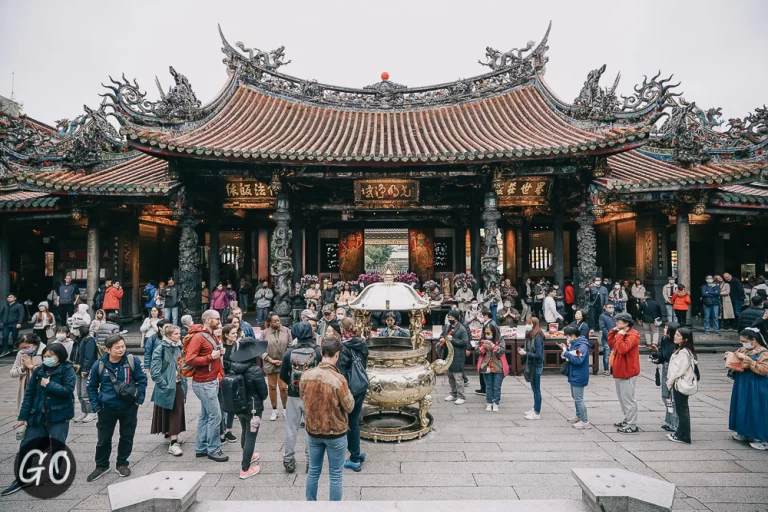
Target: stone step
393	506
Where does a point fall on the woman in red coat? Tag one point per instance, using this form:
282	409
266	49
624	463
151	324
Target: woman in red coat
625	365
112	297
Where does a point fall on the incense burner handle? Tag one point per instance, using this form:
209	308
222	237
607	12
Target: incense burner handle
440	366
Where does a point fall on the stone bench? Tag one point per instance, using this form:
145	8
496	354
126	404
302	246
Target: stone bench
165	491
619	490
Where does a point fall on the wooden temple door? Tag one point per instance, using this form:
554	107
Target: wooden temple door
351	254
421	253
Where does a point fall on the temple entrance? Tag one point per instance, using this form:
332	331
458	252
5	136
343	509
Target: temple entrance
384	246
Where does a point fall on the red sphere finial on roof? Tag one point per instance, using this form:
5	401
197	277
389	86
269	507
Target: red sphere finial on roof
385	76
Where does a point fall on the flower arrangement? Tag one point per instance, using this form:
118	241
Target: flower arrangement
430	285
407	278
368	278
339	285
308	280
465	278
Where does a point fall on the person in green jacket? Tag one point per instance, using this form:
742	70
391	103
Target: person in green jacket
170	388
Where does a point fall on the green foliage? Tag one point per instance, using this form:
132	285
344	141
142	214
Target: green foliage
377	255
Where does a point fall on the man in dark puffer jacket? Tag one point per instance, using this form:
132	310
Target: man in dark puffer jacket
752	314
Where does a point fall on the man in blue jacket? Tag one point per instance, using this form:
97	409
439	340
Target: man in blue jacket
710	298
115	370
607	323
577	354
148	297
11	316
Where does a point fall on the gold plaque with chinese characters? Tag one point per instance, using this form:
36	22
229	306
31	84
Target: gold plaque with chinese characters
386	193
524	191
247	194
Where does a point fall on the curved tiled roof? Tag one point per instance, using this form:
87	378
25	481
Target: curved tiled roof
637	171
516	125
26	200
741	196
139	174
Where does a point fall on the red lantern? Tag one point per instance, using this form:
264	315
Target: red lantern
385	76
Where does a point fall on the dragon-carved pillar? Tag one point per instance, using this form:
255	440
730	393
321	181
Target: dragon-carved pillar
490	255
282	268
683	248
587	255
189	273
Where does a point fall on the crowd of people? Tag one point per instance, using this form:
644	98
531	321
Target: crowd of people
315	371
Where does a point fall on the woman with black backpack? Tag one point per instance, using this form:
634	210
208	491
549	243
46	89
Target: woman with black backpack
229	347
170	390
246	363
352	364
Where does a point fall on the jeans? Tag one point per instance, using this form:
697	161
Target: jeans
353	434
337	450
606	352
536	388
493	387
13	332
58	431
293	413
209	422
105	425
683	432
261	316
82	395
670	418
577	392
172	315
243	302
247	440
711	313
456	381
493	308
670	313
737	305
625	390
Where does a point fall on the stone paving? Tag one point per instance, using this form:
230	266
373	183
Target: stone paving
471	455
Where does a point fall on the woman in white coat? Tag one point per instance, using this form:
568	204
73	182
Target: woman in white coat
682	382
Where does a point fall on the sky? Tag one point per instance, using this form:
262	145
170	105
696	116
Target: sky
61	52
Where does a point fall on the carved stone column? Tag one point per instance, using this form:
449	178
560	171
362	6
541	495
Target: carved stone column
92	266
683	250
490	257
189	271
5	259
559	249
587	255
282	267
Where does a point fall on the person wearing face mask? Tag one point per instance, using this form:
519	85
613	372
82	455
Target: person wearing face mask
681	301
576	352
636	296
726	304
607	323
473	315
596	301
618	297
84	354
48	404
463	297
710	299
650	319
340	314
534	364
509	316
28	358
625	363
662	357
62	336
749	408
668	293
460	341
681	370
170	390
492	365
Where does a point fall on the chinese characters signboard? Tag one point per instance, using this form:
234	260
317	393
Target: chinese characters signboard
247	193
524	191
387	193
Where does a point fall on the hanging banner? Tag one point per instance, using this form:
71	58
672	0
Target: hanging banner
421	253
524	191
351	255
248	194
387	193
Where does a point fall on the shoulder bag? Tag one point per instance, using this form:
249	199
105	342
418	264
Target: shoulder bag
688	384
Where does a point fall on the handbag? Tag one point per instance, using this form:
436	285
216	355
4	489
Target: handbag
565	368
657	322
127	392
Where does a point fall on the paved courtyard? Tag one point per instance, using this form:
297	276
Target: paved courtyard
471	455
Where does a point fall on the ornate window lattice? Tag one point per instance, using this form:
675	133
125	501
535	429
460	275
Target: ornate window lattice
540	259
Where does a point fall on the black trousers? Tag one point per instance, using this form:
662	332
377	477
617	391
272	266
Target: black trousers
681	314
683	432
108	419
65	311
247	440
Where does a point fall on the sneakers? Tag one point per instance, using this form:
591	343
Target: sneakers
79	418
607	373
175	449
620	424
460	401
667	428
628	429
96	474
488	407
230	437
255	458
218	456
124	331
4	354
450	398
480	392
252	471
355	466
90	417
16	486
123	471
273	417
528	412
582	425
573	420
737	437
533	416
759	445
495	408
283	413
674	439
200	455
289	465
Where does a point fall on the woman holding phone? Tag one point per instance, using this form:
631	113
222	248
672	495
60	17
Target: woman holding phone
492	365
534	353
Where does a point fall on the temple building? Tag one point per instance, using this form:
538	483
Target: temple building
281	177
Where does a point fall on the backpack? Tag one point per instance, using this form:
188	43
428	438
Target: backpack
131	360
357	380
186	370
234	398
302	359
145	295
124	390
